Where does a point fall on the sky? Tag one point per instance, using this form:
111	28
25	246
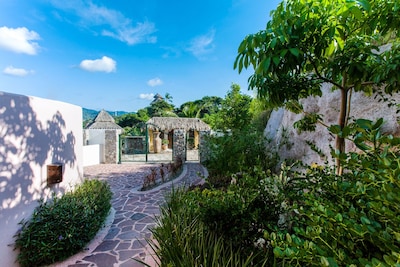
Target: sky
117	54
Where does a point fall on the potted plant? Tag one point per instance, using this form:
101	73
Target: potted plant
165	143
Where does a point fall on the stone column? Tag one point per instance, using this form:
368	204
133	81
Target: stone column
110	147
179	145
203	146
156	142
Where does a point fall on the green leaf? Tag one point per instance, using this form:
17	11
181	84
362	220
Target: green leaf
242	46
346	131
284	52
294	51
278	252
276	60
365	5
339	217
332	262
273	42
335	129
331	49
378	124
324	261
356	12
365	220
364	124
389	260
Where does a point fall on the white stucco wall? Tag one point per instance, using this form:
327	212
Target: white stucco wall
34	132
95	136
93	155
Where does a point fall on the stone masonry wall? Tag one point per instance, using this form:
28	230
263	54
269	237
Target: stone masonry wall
179	145
203	148
110	147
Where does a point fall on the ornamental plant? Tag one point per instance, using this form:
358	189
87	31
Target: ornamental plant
353	45
348	220
61	227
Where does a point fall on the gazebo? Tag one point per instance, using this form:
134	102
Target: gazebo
181	133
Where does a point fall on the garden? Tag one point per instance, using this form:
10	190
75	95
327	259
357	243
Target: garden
341	213
258	208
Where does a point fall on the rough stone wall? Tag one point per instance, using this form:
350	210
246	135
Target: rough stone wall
203	151
179	146
292	145
110	147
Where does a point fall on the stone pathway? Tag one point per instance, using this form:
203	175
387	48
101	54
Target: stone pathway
134	213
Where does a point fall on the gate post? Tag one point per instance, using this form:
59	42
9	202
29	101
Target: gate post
179	145
203	146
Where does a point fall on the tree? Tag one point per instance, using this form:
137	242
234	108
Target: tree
307	43
191	110
234	113
201	107
159	107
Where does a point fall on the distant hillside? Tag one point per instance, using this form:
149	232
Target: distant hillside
90	114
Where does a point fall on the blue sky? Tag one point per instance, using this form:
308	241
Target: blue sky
117	54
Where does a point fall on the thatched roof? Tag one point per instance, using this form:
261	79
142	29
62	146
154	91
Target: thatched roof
105	121
170	123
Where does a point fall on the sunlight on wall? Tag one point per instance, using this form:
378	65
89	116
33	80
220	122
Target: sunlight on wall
34	133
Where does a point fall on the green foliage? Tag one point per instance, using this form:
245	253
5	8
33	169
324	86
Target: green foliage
307	43
234	112
235	152
314	218
181	239
159	107
348	220
308	122
62	227
206	106
129	119
251	202
240	144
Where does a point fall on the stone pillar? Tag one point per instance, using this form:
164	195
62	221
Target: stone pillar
179	145
203	146
156	142
110	147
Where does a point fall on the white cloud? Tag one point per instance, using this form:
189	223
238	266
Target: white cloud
202	45
113	23
10	70
105	64
19	40
147	96
155	82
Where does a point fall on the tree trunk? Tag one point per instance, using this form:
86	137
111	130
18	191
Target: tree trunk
340	141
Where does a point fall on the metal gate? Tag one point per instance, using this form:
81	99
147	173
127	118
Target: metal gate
137	149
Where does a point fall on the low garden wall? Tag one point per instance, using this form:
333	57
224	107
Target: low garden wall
39	138
93	154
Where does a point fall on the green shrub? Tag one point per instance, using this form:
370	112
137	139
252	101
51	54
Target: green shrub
183	240
312	218
349	220
317	218
251	202
63	226
235	152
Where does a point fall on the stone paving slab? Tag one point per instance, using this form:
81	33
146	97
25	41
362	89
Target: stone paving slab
135	212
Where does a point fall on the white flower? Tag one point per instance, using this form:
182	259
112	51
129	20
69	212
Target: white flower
260	243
